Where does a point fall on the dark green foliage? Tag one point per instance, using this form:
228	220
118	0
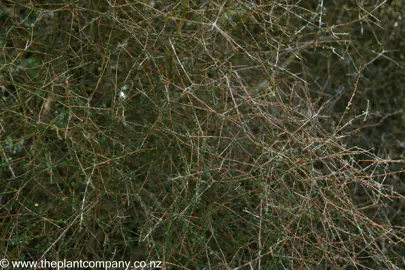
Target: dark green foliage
204	134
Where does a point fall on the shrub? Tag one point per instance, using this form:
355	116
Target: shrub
200	133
